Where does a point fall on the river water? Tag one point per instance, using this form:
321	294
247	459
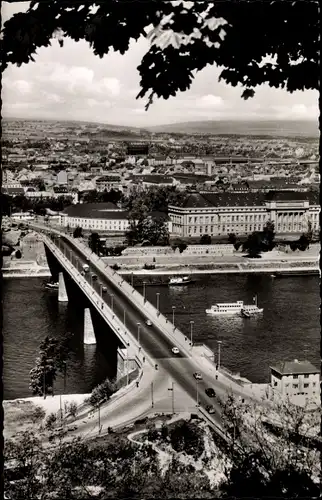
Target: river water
289	327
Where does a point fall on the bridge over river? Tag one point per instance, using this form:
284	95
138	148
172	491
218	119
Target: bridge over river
126	312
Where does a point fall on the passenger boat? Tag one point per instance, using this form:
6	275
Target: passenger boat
184	280
52	286
233	308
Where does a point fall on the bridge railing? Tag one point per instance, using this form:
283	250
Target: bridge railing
111	318
173	333
135	297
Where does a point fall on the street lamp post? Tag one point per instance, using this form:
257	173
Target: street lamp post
48	361
139	328
99	418
127	365
173	398
219	342
172	395
191	332
197	393
152	402
144	290
158	302
173	309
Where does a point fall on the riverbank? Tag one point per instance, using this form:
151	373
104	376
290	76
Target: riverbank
184	270
41	272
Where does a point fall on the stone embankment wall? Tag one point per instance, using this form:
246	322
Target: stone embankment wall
198	255
168	250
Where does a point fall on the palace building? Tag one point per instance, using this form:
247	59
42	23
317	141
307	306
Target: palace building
242	213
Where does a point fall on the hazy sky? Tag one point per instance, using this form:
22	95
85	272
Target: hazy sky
71	83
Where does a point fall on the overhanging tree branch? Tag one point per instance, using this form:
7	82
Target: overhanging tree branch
274	42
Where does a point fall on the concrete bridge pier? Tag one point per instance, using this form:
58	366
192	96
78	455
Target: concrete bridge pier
89	334
62	292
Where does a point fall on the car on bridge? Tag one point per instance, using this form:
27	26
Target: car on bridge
148	322
210	392
175	350
197	376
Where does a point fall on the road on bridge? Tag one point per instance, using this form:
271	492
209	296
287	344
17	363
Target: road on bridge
152	339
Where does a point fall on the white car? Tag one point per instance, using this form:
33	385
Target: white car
148	322
175	350
197	376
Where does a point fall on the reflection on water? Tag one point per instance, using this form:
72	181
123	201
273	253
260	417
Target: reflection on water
30	314
89	358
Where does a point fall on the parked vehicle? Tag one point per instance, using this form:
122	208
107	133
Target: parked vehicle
210	392
175	350
85	268
197	376
210	409
104	289
94	276
148	322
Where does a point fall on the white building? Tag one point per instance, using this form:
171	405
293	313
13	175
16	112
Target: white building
22	216
95	216
62	178
243	213
108	182
100	217
50	194
297	380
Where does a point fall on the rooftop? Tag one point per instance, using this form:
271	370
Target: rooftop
294	367
247	199
96	211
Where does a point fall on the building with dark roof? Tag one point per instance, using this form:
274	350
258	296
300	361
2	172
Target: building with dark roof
13	191
221	213
95	217
100	217
297	380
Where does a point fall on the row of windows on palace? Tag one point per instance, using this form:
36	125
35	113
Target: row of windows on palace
252	218
242	223
236	228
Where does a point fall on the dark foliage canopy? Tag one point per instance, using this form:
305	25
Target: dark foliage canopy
273	42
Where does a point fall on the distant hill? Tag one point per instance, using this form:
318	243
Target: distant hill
255	128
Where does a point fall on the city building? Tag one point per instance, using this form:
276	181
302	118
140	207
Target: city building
108	182
42	195
62	177
297	380
101	217
222	213
13	191
22	216
95	216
